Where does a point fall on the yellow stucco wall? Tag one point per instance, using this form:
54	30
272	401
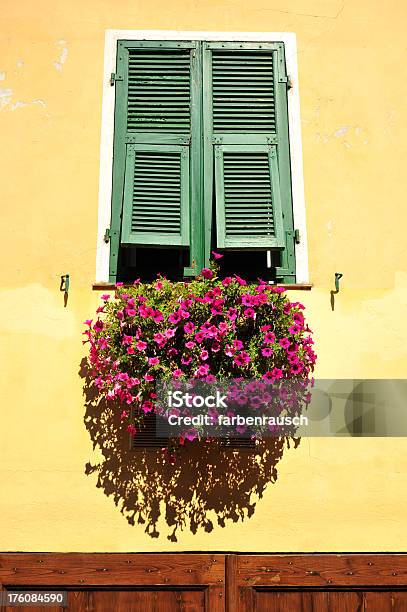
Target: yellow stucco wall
331	494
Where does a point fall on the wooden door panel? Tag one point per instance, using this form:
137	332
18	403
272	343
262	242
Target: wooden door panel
125	601
136	601
314	583
390	601
120	582
307	601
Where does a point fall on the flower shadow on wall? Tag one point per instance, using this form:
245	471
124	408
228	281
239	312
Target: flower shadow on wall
205	484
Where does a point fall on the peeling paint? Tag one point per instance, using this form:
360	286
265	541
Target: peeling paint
58	64
342	131
329	227
339	133
2	76
20	63
5	96
6	101
21	104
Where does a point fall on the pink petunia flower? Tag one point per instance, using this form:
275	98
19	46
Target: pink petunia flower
153	361
278	289
215	348
199	337
174	318
191	434
141	345
240	280
203	370
157	316
242	359
147	406
170	333
247	299
189	327
267	352
207	273
216	256
277	373
190	345
269	338
231	314
284	343
298	318
229	351
249	313
177	373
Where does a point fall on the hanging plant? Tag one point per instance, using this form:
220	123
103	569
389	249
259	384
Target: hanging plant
207	329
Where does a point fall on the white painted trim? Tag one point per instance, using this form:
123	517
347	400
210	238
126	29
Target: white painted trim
106	146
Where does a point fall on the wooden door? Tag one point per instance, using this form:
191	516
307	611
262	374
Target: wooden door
119	582
317	583
191	582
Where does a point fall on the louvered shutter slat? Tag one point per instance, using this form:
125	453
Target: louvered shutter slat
156	195
250	211
244	102
237	81
154	76
156	202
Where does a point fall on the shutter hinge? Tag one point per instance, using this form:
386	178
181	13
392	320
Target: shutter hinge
107	235
115	77
297	236
287	80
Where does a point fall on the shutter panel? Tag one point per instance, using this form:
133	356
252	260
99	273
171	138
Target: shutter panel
154	120
156	195
158	97
247	130
248	197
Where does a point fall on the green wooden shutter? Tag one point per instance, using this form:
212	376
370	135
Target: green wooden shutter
246	132
156	130
156	195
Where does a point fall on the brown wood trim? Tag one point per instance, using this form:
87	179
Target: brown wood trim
321	570
293	287
92	569
232	590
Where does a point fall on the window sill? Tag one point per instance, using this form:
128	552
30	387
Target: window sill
293	287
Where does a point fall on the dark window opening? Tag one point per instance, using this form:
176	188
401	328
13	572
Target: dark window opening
145	263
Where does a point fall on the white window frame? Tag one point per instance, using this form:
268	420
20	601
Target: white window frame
106	145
